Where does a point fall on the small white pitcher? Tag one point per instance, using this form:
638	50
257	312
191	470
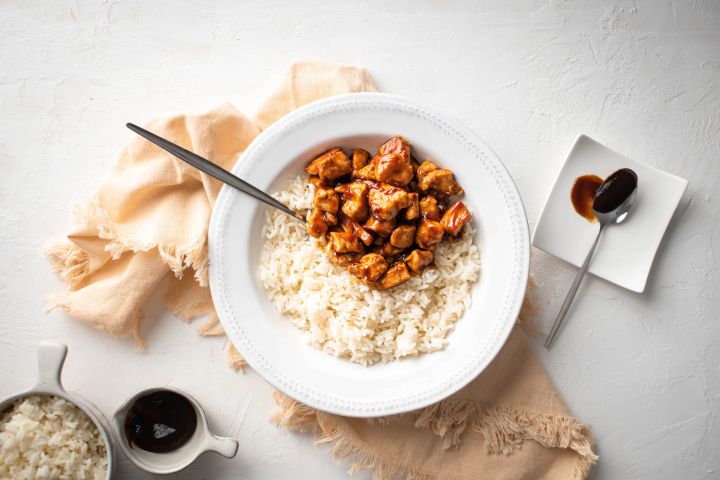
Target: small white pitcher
203	440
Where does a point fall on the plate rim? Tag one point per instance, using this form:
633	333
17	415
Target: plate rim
519	274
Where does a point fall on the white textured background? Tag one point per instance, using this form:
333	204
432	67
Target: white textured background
528	76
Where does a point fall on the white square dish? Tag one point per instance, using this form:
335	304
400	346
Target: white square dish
626	252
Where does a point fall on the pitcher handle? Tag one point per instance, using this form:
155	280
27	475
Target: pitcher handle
51	357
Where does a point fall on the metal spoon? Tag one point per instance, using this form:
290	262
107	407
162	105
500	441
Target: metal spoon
214	171
611	206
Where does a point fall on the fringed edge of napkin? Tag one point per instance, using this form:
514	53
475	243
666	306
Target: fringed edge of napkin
71	263
177	257
503	430
234	359
74	265
68	261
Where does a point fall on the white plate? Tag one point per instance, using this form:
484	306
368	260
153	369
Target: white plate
273	347
625	252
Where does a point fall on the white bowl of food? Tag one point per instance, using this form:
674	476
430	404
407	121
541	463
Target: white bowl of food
319	331
46	432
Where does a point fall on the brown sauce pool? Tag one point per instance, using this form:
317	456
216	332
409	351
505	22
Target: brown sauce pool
582	195
160	422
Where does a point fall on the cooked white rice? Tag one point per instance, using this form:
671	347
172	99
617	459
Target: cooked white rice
345	318
47	437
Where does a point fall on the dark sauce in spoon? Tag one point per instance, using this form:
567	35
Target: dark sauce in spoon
160	422
615	190
582	195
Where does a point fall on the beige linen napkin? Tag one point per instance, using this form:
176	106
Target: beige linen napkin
149	219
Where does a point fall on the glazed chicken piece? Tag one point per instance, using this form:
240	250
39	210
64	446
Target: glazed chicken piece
344	242
441	180
355	200
396	275
359	158
330	218
455	218
326	200
394	169
429	208
413	210
370	267
395	146
418	260
343	259
331	165
315	181
367	172
387	250
385	203
429	234
424	169
403	236
382	228
393	162
356	229
316	223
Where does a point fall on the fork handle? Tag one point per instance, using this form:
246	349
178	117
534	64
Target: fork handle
214	170
571	294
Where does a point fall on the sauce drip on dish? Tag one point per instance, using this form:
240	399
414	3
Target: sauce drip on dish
160	422
582	195
383	216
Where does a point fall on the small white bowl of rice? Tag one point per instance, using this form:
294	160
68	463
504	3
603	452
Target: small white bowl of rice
47	433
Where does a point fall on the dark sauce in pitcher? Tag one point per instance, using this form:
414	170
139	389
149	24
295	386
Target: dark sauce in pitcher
160	422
